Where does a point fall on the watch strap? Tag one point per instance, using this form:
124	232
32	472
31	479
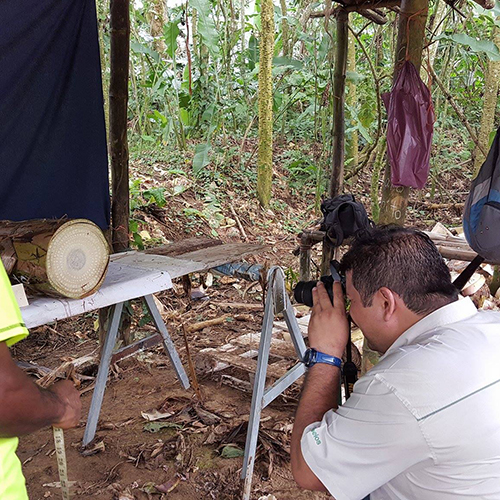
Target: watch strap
321	357
312	357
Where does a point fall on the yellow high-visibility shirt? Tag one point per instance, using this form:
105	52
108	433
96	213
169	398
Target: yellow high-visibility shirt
12	329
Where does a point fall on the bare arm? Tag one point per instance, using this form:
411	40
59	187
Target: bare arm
328	333
319	394
25	408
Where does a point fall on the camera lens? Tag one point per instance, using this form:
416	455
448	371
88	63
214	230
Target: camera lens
303	292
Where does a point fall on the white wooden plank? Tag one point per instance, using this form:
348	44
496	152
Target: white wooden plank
131	275
193	262
122	283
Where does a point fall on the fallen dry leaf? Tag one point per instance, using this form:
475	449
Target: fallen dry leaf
93	448
153	415
168	487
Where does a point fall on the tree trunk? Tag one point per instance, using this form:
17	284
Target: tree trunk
155	15
337	177
489	105
285	30
56	257
118	100
411	30
265	151
338	143
352	101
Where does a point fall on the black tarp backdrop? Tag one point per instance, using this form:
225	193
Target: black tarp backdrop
53	158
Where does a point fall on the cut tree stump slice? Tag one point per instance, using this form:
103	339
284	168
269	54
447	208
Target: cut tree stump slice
70	260
77	259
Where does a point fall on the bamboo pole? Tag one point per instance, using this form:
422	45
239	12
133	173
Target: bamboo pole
118	100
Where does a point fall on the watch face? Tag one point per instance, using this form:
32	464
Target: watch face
309	357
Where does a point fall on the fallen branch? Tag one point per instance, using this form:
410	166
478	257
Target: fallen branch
436	206
65	370
244	236
239	305
204	324
373	15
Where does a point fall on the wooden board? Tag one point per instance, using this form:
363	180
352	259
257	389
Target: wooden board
192	262
183	246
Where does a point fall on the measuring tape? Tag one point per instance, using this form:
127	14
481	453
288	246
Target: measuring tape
62	465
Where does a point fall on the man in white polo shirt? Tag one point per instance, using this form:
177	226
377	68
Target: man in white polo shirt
424	423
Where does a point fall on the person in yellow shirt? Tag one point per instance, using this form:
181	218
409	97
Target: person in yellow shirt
24	407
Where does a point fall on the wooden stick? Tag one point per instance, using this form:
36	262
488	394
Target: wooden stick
239	305
456	253
192	371
244	236
204	324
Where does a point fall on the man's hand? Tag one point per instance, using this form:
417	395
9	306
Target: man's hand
328	327
25	407
70	398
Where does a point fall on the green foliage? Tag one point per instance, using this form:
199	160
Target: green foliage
201	111
206	26
474	45
201	159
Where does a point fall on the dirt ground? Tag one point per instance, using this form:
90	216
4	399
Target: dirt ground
184	456
194	451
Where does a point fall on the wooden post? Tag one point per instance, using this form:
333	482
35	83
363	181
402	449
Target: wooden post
118	100
338	145
118	143
411	32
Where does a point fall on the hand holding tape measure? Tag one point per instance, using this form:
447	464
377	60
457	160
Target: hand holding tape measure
66	392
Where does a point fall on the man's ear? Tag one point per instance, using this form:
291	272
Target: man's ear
388	302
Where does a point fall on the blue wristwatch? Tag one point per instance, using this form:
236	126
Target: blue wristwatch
312	356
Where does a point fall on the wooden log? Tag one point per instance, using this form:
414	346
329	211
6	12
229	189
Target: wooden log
204	324
8	254
57	257
374	15
183	246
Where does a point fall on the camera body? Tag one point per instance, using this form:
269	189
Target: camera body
303	289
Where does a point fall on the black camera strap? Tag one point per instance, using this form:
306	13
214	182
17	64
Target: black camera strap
349	370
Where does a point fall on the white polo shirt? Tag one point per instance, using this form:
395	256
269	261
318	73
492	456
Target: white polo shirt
424	423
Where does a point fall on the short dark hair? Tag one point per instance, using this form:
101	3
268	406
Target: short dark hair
404	260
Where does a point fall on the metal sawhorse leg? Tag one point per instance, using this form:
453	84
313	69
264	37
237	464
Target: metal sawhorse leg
277	302
107	351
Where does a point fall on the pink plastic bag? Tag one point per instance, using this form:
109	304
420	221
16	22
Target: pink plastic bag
409	128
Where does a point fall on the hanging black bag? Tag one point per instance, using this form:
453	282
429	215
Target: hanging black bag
343	217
